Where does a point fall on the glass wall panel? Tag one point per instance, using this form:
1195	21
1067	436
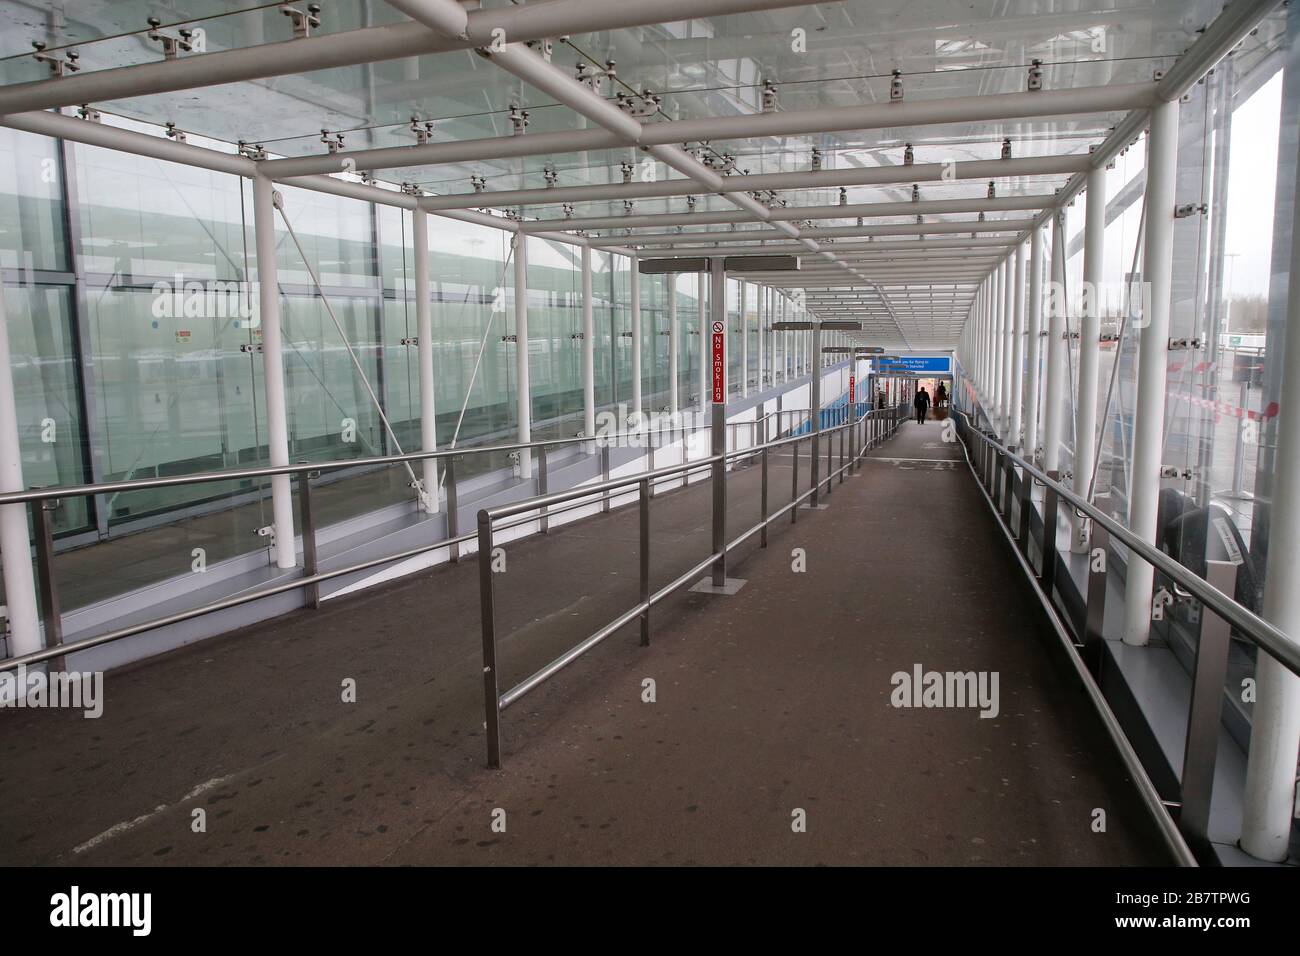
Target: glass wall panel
32	234
330	412
142	219
621	329
602	292
654	341
555	351
686	288
337	237
44	362
172	394
471	277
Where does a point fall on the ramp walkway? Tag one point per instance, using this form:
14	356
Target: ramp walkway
772	738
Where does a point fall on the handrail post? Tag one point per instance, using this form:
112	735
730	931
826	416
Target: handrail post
51	613
1008	487
453	511
762	535
1095	610
794	483
604	475
1026	503
487	617
543	521
1051	503
310	565
1205	713
651	455
644	560
830	463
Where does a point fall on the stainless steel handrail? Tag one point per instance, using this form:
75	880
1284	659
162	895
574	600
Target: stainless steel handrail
56	649
270	471
1185	824
1259	631
494	700
1146	788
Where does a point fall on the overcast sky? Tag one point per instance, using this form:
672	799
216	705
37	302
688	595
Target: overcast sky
1252	177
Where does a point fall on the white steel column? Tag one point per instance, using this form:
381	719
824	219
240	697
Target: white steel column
1055	373
987	345
1085	419
774	304
523	395
981	333
990	336
1008	334
1275	724
15	541
702	280
1033	342
673	390
762	294
1018	349
999	332
634	292
1153	363
424	332
588	351
742	289
781	341
277	427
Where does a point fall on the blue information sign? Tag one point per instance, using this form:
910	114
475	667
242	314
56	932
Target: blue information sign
914	365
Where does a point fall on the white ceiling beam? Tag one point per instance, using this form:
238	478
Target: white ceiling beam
533	21
893	229
982	244
107	136
1233	24
922	207
978	169
445	17
873	116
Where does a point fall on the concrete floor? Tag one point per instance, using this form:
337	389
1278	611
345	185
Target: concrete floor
768	702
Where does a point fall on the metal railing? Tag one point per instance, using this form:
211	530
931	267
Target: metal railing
854	436
42	501
1184	825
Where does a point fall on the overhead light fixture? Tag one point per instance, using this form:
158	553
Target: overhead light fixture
772	263
654	267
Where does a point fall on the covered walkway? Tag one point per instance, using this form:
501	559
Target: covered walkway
468	432
768	702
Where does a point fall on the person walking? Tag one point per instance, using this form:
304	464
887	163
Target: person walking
922	404
940	396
